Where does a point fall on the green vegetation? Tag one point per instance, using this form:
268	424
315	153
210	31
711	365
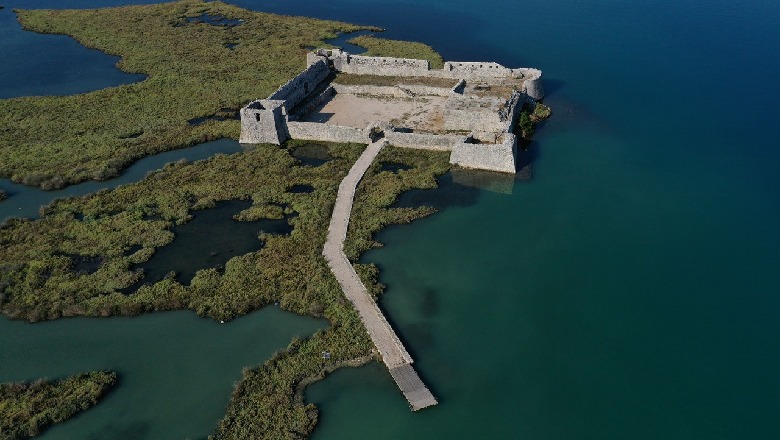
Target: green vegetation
378	190
380	47
530	117
526	126
268	402
54	141
192	74
36	267
27	409
40	284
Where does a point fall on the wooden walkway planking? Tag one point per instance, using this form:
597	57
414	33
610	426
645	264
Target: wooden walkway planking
393	352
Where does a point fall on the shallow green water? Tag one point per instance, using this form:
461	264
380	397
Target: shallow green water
176	370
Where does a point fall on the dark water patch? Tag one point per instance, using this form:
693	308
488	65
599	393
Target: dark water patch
301	189
312	155
25	201
213	20
37	64
448	193
394	167
231	46
132	249
209	240
488	180
132	135
341	41
429	302
85	265
525	160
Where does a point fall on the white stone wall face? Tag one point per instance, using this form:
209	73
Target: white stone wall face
494	157
423	141
267	121
315	131
298	88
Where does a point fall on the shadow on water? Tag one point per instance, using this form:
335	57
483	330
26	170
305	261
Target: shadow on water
312	155
209	240
301	189
25	201
448	193
394	167
84	265
552	86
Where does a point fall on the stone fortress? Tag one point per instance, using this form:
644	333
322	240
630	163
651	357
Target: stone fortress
467	108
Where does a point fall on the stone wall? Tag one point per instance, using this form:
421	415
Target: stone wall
472	70
533	82
423	141
315	131
263	122
298	88
313	104
488	118
384	66
487	114
493	157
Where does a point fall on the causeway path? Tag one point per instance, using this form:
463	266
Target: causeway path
394	354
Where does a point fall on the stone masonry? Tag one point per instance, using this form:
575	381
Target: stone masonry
473	123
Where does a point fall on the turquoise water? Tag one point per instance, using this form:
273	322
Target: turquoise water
631	288
176	370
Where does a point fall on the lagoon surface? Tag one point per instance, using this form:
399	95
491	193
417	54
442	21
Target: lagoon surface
631	288
176	370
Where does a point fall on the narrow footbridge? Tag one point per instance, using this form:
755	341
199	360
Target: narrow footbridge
394	355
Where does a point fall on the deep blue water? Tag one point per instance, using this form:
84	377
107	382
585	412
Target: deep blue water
631	289
35	64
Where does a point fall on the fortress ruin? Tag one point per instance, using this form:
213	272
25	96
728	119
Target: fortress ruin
467	108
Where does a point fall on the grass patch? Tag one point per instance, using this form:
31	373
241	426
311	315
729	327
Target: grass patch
382	47
529	118
27	409
378	80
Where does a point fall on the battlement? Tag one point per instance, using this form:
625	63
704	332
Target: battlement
484	102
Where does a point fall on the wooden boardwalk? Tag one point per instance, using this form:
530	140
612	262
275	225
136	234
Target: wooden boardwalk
394	354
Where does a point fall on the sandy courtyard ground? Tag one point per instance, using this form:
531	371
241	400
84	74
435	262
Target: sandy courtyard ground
423	114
